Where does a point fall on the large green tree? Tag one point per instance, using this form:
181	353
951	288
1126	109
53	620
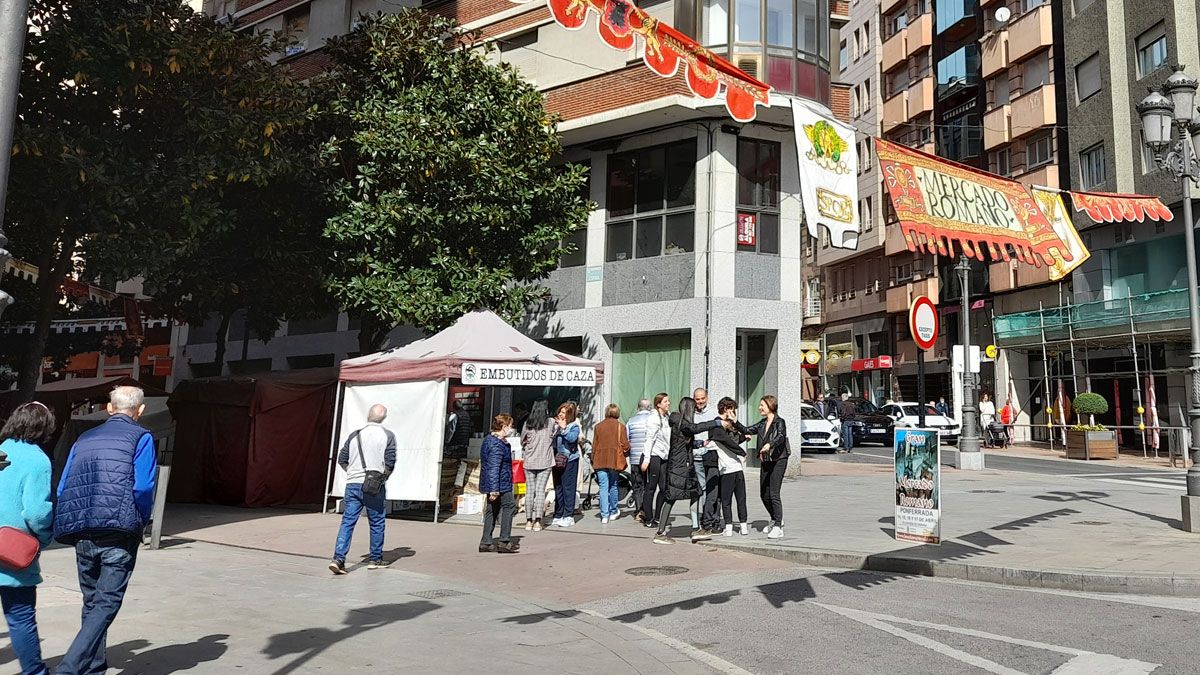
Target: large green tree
442	177
145	132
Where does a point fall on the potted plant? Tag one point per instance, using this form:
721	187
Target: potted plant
1090	440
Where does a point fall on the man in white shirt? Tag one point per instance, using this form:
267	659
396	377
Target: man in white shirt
371	448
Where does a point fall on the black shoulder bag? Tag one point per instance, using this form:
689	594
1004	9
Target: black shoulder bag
374	480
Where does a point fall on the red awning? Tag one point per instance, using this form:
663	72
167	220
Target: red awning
1105	207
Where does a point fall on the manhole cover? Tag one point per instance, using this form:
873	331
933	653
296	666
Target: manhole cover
1090	522
437	593
665	571
986	492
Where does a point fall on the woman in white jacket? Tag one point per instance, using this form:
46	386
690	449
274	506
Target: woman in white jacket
654	458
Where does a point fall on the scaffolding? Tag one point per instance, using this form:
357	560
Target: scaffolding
1129	326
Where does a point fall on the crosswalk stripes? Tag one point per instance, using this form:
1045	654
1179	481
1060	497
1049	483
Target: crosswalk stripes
1156	480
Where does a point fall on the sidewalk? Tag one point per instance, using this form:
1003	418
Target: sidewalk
1126	458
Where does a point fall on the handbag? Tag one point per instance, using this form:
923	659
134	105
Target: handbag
374	480
518	467
18	548
560	460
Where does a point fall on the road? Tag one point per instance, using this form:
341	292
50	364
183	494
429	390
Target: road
568	603
1162	479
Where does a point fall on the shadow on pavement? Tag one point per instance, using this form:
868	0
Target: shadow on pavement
133	657
1095	497
308	643
684	606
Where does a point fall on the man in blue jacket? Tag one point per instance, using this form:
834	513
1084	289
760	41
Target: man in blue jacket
105	498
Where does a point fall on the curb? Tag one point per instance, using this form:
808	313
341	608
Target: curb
1168	584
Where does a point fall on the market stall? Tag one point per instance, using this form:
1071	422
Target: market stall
414	382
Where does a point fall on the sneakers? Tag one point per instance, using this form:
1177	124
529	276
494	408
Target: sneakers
375	565
604	520
663	539
614	516
529	526
728	531
564	522
767	528
701	535
745	529
537	525
337	567
508	547
487	548
775	533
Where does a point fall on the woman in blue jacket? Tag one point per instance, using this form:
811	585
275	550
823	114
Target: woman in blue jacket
566	477
25	505
495	481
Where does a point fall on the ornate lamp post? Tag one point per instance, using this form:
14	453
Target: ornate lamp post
1162	114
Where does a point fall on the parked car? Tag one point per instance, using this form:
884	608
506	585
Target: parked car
906	415
870	424
816	432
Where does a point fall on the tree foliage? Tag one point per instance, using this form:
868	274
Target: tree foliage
1088	403
147	138
442	177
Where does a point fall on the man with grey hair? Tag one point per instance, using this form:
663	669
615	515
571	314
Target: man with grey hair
369	450
636	430
105	498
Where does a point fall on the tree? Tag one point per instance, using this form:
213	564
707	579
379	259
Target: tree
141	125
443	181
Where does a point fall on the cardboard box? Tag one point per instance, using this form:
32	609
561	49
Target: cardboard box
469	504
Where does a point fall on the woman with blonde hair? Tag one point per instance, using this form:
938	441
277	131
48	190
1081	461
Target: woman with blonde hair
566	463
610	456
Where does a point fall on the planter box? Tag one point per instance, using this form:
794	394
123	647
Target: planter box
1091	445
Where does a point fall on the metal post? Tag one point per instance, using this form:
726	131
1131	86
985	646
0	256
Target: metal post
920	387
1137	378
1045	376
969	455
1191	501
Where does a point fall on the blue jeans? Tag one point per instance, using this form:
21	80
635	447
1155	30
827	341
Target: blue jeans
566	489
610	501
19	606
105	567
354	502
847	436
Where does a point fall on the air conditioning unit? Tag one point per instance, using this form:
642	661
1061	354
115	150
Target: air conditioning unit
751	64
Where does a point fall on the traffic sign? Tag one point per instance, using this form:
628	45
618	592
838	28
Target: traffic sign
923	322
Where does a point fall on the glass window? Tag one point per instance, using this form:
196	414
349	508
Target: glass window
1036	72
1087	77
622	177
899	21
619	241
1001	90
656	184
843	56
780	22
295	26
681	175
716	22
958	70
1152	49
1033	4
866	99
1092	166
758	173
747	21
810	23
649	237
1000	162
950	12
1081	5
681	233
1039	151
896	82
577	243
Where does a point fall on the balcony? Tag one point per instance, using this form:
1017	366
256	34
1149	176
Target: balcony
895	111
1012	275
812	312
1046	174
1032	32
920	97
1034	110
888	5
895	237
920	33
995	53
900	296
894	51
997	129
1154	313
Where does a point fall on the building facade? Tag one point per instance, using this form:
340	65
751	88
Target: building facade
659	286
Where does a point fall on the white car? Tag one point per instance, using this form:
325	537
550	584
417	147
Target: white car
906	415
816	432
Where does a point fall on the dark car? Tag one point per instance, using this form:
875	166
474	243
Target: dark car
870	424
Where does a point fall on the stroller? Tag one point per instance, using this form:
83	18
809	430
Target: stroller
588	475
995	436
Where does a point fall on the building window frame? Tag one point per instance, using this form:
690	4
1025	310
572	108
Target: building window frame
1091	62
671	222
1043	144
1093	171
1152	49
760	194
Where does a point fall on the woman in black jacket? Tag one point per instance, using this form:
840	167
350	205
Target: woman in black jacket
681	478
773	453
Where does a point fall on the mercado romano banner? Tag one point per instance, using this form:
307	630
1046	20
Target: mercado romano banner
918	486
828	162
527	375
939	202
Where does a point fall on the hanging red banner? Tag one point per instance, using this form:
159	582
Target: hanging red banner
708	75
1104	207
939	202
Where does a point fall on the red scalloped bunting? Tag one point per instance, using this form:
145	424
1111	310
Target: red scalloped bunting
1106	207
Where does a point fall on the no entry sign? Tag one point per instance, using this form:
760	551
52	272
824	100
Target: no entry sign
923	322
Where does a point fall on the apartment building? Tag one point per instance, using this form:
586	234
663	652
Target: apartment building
659	287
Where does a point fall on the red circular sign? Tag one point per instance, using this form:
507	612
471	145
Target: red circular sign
923	322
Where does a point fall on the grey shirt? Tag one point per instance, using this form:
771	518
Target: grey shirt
378	452
707	415
537	446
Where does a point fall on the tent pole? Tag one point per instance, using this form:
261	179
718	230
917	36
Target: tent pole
337	431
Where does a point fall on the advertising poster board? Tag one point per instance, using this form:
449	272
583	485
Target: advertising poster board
918	486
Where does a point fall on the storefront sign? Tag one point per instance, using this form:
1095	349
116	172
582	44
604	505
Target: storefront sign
527	375
918	486
828	161
877	363
812	358
747	229
940	202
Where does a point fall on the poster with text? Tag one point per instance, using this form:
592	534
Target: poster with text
918	486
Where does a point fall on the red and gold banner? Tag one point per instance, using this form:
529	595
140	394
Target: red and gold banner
1105	207
708	75
939	202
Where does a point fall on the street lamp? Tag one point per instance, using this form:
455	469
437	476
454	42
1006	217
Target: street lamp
1162	114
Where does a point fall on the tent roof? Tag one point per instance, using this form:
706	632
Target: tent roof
478	336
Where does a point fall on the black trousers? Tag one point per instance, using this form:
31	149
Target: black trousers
637	481
733	485
770	481
500	510
711	518
656	482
